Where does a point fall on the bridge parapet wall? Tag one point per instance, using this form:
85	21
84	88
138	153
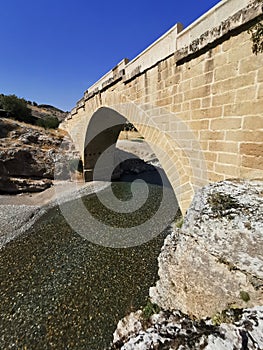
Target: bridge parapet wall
213	25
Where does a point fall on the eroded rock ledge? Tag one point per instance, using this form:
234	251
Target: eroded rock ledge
213	263
29	156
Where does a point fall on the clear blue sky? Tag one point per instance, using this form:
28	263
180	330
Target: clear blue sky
51	51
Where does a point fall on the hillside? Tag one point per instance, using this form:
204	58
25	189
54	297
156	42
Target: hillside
30	112
43	111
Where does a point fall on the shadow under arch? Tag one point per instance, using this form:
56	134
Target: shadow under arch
101	139
102	134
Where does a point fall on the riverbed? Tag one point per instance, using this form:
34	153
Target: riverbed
65	289
61	291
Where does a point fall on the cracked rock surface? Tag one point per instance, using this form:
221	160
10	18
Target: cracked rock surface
215	261
30	156
240	329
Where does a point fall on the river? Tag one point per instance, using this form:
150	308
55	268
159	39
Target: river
59	290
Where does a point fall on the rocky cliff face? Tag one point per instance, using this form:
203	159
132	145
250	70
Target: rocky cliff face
28	156
211	277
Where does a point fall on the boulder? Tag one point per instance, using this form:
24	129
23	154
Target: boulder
215	261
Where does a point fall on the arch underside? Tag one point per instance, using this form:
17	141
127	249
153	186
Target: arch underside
101	138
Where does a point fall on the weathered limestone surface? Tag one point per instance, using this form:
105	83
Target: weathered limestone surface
31	157
215	261
174	330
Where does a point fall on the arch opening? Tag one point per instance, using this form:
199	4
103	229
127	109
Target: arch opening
102	141
178	151
107	159
102	134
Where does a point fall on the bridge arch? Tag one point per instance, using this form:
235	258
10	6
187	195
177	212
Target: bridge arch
180	157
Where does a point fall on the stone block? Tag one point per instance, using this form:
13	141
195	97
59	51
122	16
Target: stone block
225	123
178	98
192	71
246	94
212	135
195	104
214	177
228	170
219	60
251	149
220	146
223	99
253	162
244	109
206	102
228	158
213	112
252	63
203	79
253	123
260	92
209	65
210	156
239	52
260	75
184	85
225	71
200	92
164	102
234	83
201	124
244	136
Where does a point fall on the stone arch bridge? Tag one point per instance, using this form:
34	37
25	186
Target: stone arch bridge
196	95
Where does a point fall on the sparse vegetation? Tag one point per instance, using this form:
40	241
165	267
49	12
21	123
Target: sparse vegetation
257	38
244	296
221	202
256	32
49	122
179	222
227	316
230	265
16	108
129	127
150	309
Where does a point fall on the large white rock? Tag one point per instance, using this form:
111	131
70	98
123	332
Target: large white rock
215	260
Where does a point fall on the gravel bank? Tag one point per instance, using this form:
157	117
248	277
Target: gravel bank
18	213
